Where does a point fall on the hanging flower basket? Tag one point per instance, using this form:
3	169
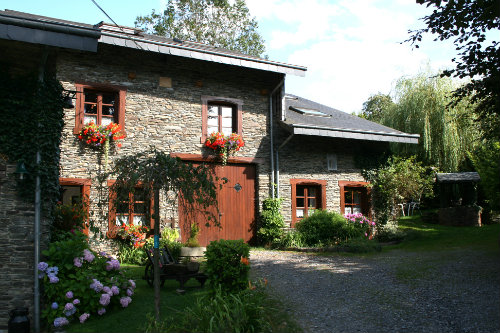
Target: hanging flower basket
224	146
96	136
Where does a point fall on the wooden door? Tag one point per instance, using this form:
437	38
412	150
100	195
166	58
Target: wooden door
236	203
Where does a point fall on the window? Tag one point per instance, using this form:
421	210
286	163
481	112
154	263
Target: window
307	196
220	114
354	198
132	211
74	191
101	104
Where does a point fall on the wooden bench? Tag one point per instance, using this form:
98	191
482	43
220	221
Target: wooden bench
171	269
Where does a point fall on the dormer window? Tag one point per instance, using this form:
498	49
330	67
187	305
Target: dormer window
309	112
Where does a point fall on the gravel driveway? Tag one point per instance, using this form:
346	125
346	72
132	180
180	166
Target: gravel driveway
398	291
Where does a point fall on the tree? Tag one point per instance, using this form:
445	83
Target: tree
467	22
375	106
214	22
447	132
156	171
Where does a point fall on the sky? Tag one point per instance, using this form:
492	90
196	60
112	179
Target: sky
352	48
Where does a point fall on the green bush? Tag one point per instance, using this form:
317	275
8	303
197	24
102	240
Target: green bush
326	228
271	221
78	283
291	238
227	265
390	233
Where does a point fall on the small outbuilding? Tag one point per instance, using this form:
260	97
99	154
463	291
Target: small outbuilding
458	194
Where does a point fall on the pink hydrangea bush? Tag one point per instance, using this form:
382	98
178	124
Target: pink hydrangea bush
80	285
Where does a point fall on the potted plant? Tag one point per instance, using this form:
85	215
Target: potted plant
193	248
224	146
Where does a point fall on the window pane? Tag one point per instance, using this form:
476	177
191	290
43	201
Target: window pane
138	220
139	208
122	208
106	121
311	203
227	111
108	99
356	209
213	110
300	191
90	97
90	108
356	198
227	131
300	202
213	121
348	197
88	119
312	192
299	213
108	110
227	122
121	219
212	129
348	210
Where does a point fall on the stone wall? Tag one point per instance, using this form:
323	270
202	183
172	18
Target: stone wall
167	117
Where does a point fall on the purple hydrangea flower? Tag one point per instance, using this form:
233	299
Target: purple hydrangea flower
112	264
88	256
53	279
132	284
84	317
78	262
76	301
107	290
52	270
101	311
129	292
69	306
125	301
42	266
60	321
96	285
69	294
54	306
69	313
115	290
104	300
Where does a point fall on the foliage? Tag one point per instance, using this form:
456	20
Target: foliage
227	265
326	228
224	146
221	23
467	23
376	106
133	235
362	222
67	219
486	160
79	283
291	238
32	120
390	233
192	240
271	221
446	133
399	181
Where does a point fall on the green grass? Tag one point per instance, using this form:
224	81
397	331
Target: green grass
433	237
133	318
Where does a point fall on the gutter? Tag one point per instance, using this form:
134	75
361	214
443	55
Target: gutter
271	120
51	26
278	162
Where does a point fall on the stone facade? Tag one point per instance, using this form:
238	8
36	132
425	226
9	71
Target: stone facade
168	118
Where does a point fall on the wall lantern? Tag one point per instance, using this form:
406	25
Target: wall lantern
21	171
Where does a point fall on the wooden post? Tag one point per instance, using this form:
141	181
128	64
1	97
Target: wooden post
156	253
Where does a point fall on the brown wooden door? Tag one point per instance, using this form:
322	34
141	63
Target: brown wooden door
236	203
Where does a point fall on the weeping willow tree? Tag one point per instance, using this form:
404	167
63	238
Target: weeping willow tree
447	133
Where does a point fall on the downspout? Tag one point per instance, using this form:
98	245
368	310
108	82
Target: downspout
271	134
278	162
36	306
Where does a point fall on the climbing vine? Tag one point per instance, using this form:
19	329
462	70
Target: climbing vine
32	120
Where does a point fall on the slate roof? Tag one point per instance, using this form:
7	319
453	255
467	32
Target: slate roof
458	177
138	39
335	123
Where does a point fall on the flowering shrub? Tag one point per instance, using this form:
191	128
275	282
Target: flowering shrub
228	265
135	235
224	146
363	223
69	218
96	135
78	283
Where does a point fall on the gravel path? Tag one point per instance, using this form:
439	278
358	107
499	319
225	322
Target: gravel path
398	291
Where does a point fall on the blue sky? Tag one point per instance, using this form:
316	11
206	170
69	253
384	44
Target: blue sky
351	47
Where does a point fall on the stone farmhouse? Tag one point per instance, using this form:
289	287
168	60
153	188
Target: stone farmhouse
172	94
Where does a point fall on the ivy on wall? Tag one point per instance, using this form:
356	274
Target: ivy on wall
32	120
